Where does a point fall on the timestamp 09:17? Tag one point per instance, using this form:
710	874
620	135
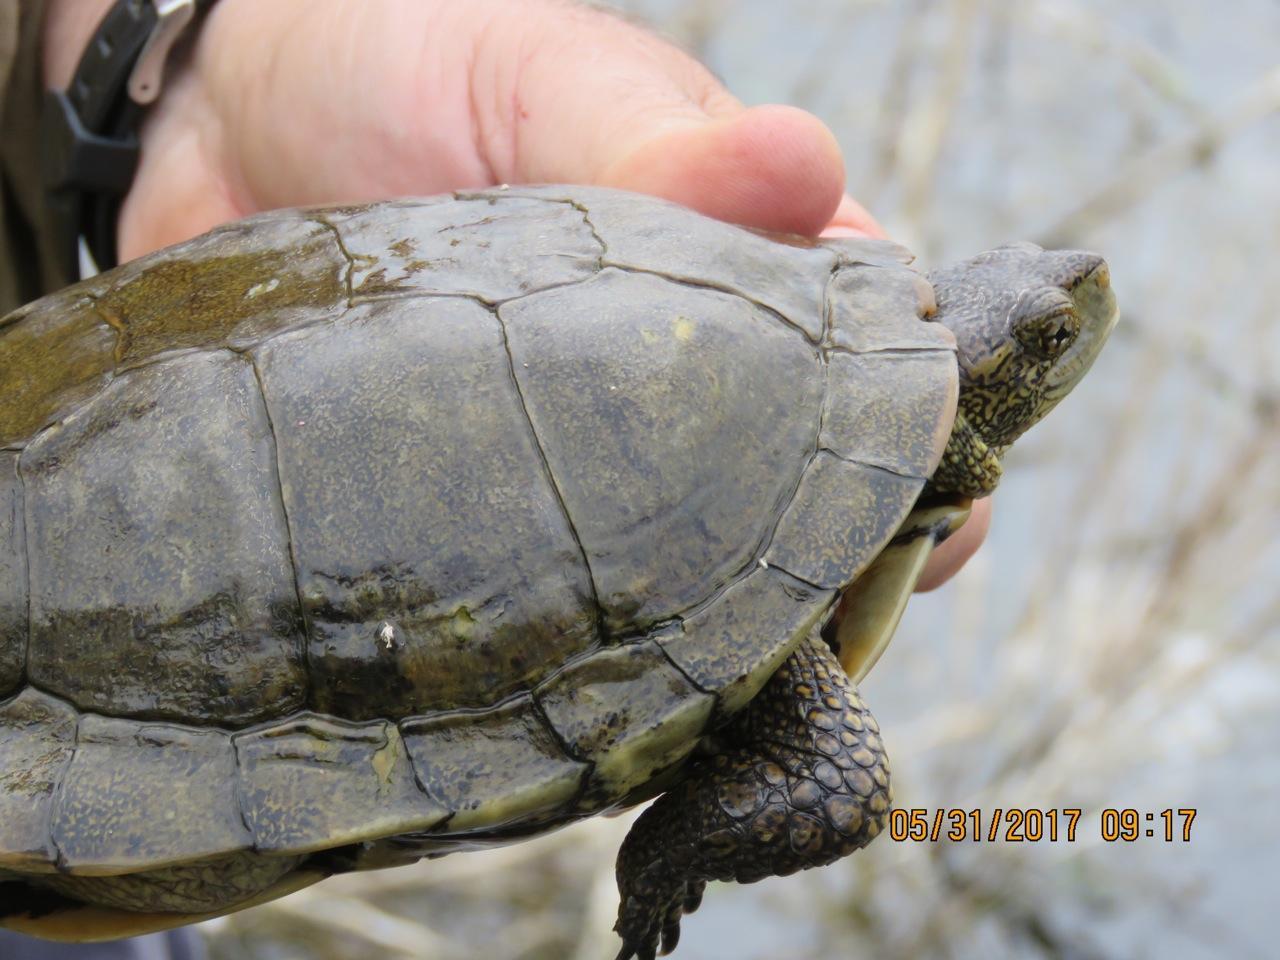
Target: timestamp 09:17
1031	825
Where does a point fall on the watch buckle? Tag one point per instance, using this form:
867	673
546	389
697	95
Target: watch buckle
172	18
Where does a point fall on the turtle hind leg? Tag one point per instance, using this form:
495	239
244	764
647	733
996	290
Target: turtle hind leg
802	782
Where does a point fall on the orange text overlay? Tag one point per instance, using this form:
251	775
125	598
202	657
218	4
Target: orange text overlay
1030	825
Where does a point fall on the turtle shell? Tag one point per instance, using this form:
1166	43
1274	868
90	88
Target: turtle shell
439	517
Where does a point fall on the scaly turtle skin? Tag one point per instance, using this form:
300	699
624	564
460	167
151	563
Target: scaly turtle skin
337	538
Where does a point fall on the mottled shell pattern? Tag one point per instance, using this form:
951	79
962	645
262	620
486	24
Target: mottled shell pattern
437	517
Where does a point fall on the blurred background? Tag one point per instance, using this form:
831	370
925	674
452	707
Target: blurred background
1116	644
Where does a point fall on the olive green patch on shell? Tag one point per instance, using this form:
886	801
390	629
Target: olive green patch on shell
879	308
891	410
638	234
628	710
13	576
494	249
492	767
733	645
37	737
236	284
842	515
310	784
642	391
158	549
146	795
55	353
435	564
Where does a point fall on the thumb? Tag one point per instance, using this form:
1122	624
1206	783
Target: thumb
578	95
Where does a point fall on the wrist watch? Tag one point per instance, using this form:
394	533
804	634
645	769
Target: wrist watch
89	131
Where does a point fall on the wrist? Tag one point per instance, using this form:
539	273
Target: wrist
107	63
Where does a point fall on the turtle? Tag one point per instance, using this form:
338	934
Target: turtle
337	538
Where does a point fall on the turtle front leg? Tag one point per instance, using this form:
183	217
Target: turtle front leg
802	782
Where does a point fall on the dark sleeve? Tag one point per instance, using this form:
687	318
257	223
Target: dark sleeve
182	944
27	267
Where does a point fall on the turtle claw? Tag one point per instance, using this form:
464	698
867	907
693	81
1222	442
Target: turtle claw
693	895
650	928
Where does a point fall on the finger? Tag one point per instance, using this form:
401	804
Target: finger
955	551
852	219
771	167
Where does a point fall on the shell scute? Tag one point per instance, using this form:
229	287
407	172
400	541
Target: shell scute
490	768
891	410
785	274
142	795
37	738
880	308
674	420
310	784
494	248
435	565
160	583
628	710
734	644
842	516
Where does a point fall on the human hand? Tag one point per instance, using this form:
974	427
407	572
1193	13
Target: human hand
299	102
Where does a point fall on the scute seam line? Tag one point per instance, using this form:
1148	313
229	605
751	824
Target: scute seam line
714	694
766	540
564	745
828	317
817	435
719	288
242	798
342	248
391	296
55	802
493	195
26	572
308	694
889	351
486	302
589	766
874	466
543	289
151	716
595	234
417	776
164	356
601	622
808	583
116	324
773	533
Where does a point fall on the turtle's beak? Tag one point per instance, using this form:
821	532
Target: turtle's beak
1095	305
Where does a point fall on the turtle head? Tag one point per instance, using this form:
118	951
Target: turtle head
1028	323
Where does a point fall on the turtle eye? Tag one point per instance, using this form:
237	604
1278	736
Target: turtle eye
1048	335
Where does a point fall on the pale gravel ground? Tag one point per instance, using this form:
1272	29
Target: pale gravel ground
1117	642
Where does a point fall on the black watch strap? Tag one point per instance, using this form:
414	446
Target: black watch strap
89	135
